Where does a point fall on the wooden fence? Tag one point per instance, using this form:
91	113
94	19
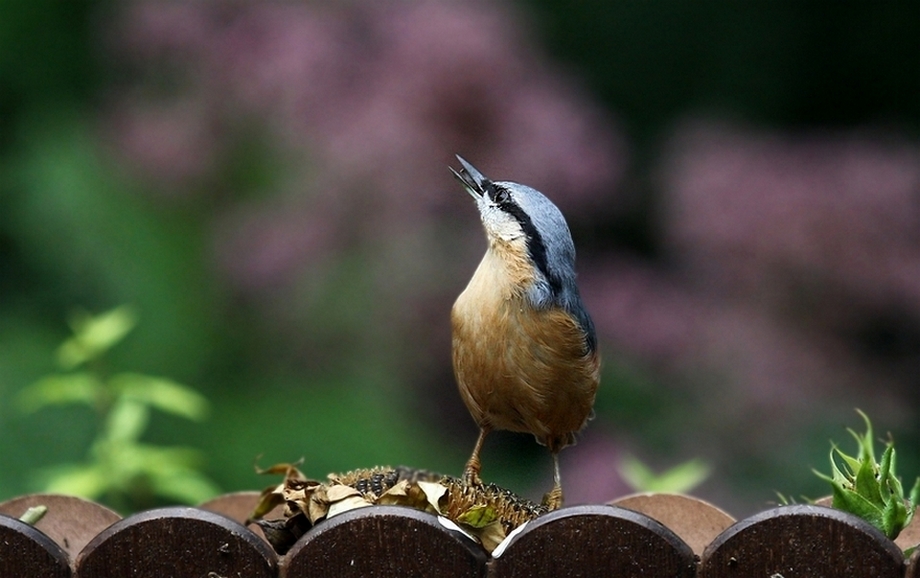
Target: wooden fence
644	535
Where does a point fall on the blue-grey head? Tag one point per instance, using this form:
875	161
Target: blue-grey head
510	211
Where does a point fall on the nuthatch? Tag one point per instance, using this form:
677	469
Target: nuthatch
524	349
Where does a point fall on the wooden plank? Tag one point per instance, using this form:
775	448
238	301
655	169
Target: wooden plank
237	506
27	552
382	541
802	541
695	521
587	541
70	521
787	542
176	542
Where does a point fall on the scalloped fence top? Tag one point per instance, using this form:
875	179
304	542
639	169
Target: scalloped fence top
645	535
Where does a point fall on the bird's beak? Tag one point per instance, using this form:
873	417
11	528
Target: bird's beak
472	180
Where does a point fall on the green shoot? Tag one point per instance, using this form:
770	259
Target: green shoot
681	478
119	468
870	489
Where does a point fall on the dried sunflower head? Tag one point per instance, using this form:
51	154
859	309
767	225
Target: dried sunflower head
485	511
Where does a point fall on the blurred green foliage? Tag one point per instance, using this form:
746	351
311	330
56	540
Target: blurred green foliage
119	469
682	478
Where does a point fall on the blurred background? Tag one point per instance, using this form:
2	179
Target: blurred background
266	184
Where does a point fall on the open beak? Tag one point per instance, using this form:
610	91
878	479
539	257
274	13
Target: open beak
471	179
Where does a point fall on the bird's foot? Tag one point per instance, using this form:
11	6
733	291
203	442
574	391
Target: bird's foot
553	499
471	476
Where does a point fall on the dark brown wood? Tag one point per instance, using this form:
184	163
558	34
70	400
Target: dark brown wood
237	506
383	541
802	541
595	541
70	521
695	521
27	552
787	542
176	542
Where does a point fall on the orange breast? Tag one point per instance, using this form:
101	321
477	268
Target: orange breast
519	368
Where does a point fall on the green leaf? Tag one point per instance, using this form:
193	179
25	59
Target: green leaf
871	490
167	458
914	495
784	500
94	335
84	480
851	502
867	443
681	478
61	389
841	476
32	515
824	476
887	481
126	421
172	472
636	474
867	485
187	486
894	516
478	516
163	394
851	464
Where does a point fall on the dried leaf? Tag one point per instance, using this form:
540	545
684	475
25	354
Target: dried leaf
338	492
398	495
283	534
433	493
500	549
288	470
314	504
486	512
269	499
346	504
491	535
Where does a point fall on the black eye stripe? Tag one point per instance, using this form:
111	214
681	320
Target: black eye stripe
499	195
535	246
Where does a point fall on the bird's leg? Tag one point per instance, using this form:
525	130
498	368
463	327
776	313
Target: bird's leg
473	466
553	499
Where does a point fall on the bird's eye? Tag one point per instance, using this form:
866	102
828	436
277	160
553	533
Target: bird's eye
501	196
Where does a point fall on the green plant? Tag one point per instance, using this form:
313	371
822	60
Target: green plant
118	467
870	489
681	478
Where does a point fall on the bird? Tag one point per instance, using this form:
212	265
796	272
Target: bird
524	347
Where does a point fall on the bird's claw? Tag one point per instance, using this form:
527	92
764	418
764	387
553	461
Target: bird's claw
553	499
